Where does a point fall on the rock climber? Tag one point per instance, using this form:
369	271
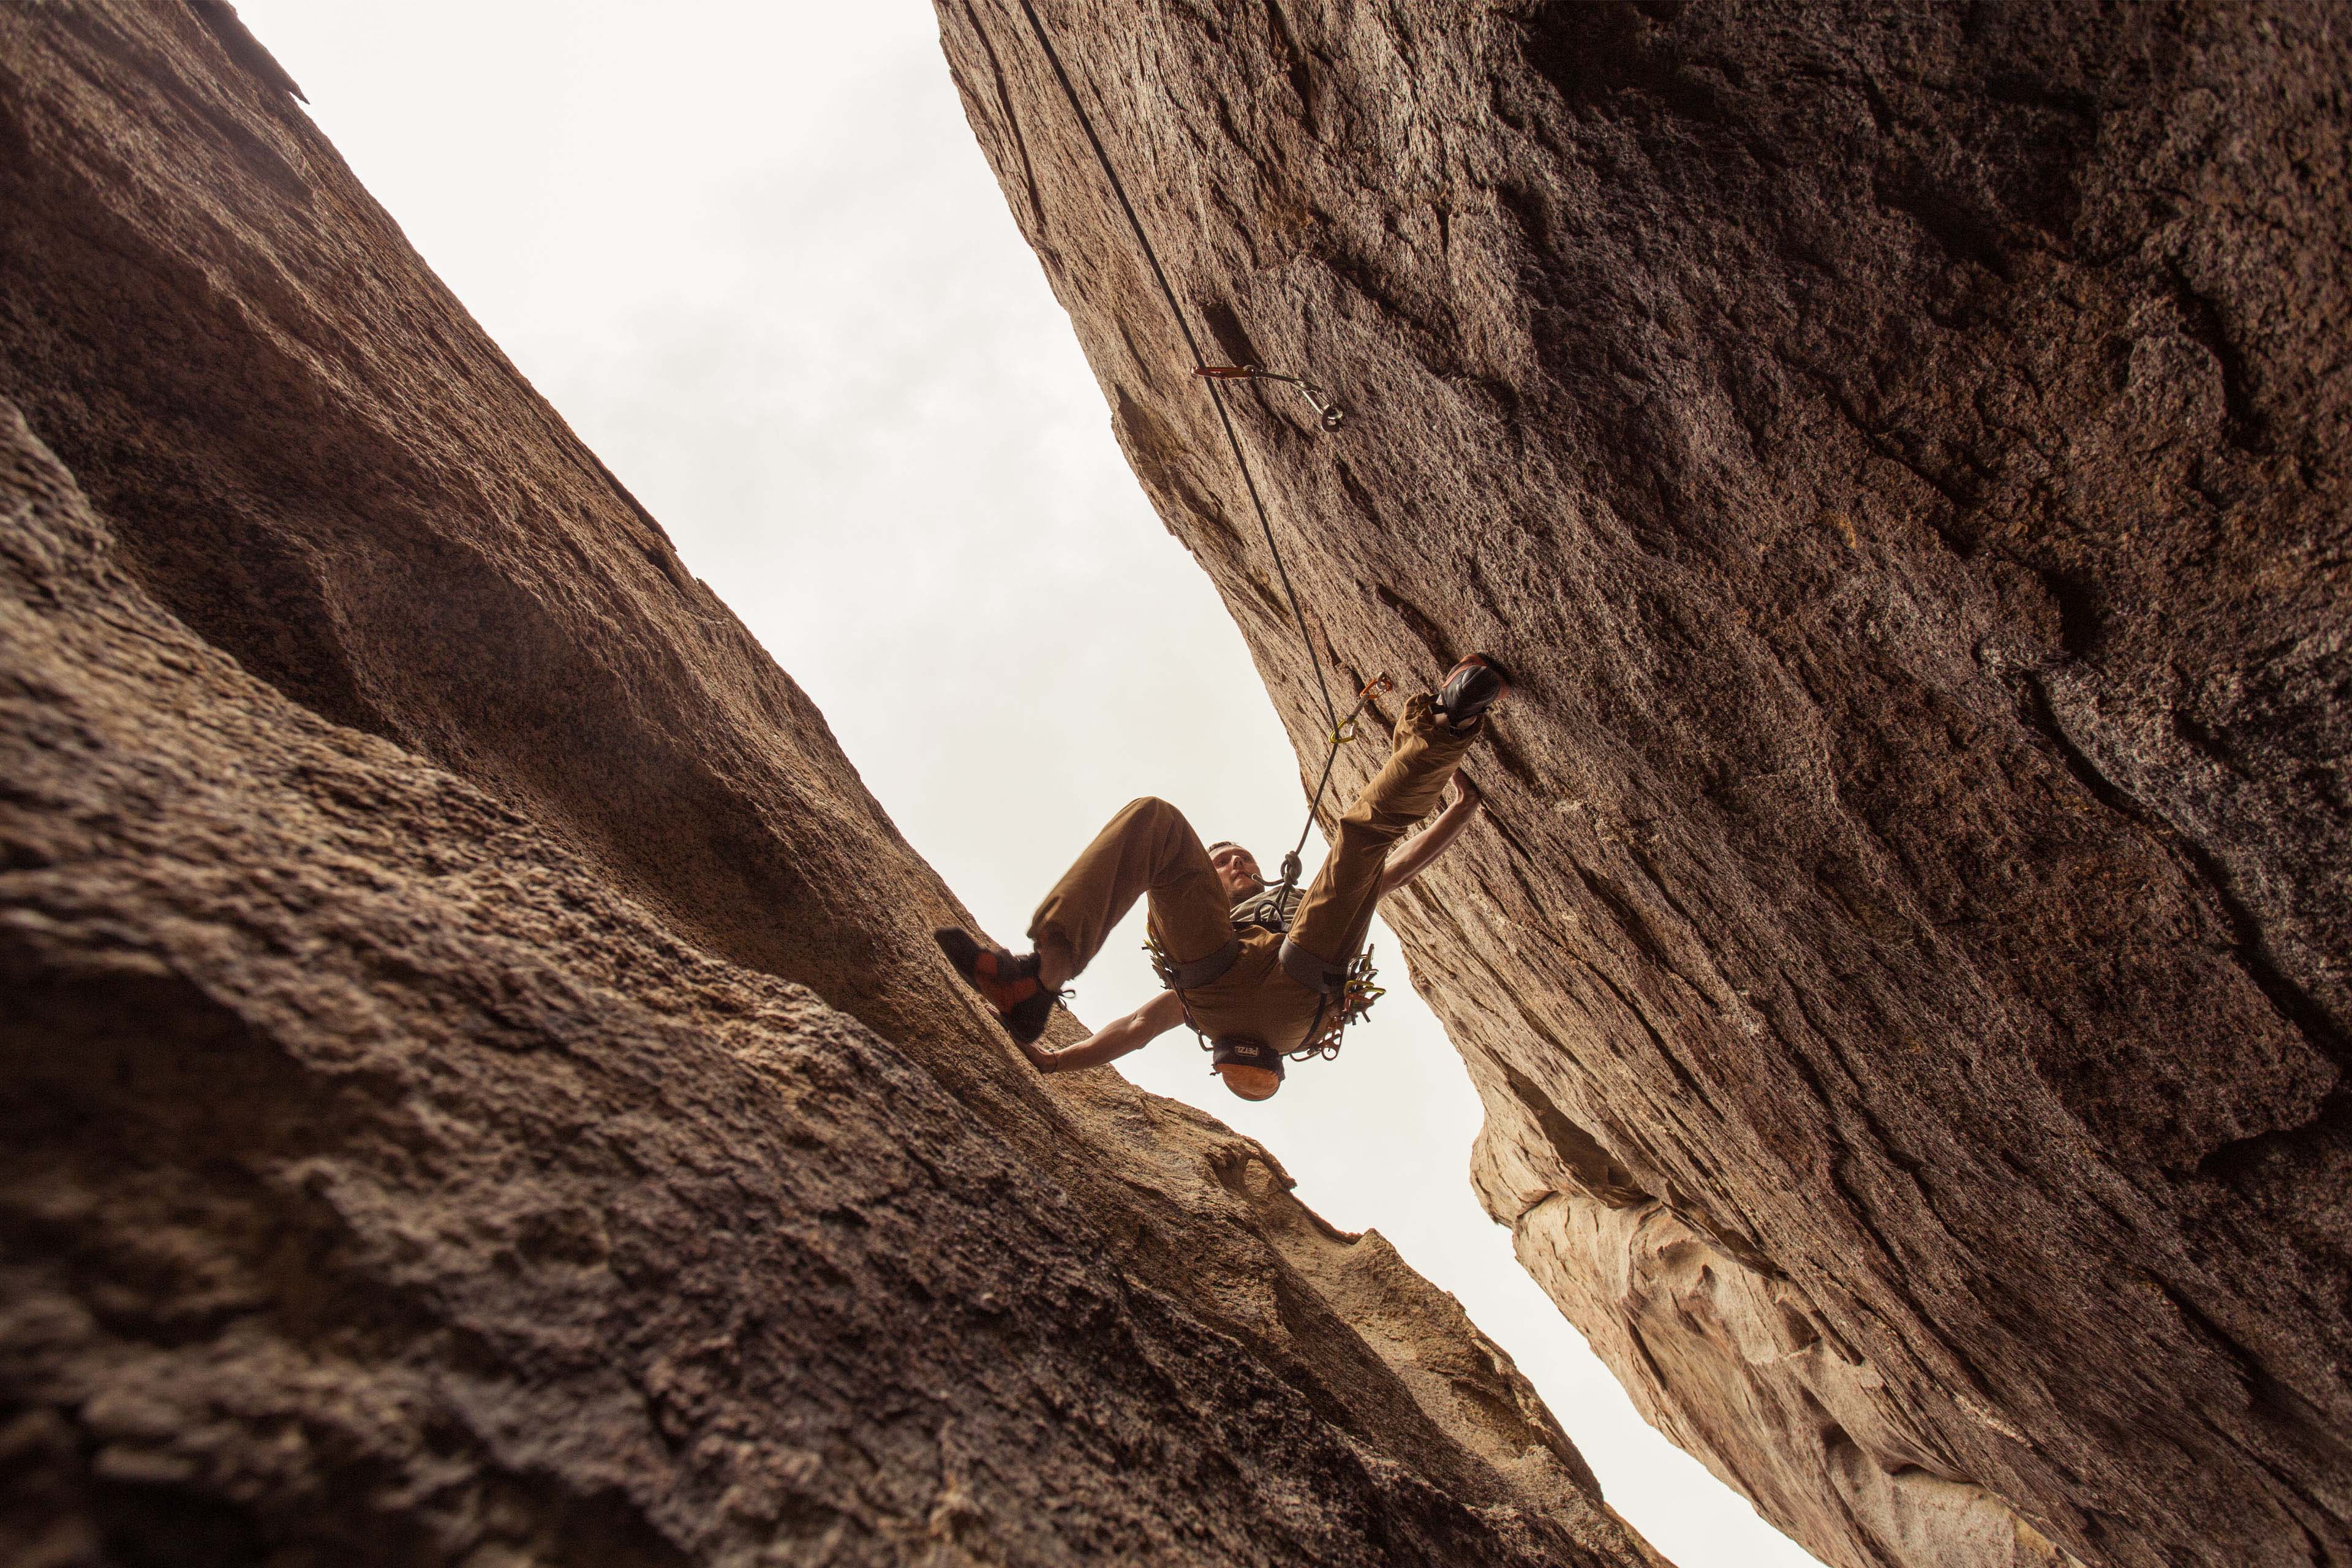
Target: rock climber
1253	971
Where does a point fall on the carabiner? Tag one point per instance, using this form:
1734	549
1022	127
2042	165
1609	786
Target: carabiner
1320	398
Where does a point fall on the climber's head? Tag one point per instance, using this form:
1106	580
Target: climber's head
1251	1068
1236	869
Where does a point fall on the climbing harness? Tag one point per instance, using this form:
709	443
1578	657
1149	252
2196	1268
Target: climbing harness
1345	992
1317	397
1344	995
1183	977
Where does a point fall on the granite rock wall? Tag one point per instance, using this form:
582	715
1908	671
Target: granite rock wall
1902	451
475	1086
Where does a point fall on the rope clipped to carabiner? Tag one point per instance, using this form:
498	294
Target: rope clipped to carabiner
1317	397
1191	342
1341	733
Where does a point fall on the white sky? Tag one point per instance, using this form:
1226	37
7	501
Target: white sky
753	254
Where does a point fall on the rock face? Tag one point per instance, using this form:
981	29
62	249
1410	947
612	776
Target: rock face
475	1084
1903	452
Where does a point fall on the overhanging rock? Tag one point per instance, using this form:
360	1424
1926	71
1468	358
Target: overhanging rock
1903	452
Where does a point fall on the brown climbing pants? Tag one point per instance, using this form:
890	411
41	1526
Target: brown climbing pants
1149	849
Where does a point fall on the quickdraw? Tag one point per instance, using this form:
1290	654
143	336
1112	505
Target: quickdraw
1320	398
1356	999
1341	733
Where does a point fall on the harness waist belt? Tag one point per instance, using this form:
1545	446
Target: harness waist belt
1323	979
1204	970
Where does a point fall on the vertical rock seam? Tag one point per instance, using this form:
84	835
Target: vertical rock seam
1906	965
475	1083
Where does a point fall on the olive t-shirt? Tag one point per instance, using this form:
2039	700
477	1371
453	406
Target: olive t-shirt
1272	908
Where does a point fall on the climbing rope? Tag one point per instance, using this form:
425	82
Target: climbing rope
1357	991
1341	733
1212	375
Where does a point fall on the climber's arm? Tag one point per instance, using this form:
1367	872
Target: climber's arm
1114	1040
1414	858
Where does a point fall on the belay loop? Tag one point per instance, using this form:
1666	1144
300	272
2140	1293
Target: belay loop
1317	397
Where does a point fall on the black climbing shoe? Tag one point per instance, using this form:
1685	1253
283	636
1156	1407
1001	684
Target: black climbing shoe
1471	687
1006	983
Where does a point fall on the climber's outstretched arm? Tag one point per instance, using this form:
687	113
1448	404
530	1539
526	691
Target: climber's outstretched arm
1414	858
1113	1040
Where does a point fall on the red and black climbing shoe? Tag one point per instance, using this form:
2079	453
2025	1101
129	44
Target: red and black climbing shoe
1471	687
1006	983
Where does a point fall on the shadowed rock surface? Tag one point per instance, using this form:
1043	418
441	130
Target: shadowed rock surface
1901	450
475	1083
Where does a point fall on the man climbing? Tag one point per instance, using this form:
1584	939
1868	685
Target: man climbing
1256	973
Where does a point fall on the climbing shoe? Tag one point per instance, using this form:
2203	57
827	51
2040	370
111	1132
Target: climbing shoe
1471	687
1006	983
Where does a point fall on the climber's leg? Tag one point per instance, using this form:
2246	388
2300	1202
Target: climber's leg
1148	849
1337	909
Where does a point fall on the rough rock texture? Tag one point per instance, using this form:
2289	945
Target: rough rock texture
1902	449
475	1085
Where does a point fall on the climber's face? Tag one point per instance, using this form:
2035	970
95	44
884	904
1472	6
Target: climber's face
1236	869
